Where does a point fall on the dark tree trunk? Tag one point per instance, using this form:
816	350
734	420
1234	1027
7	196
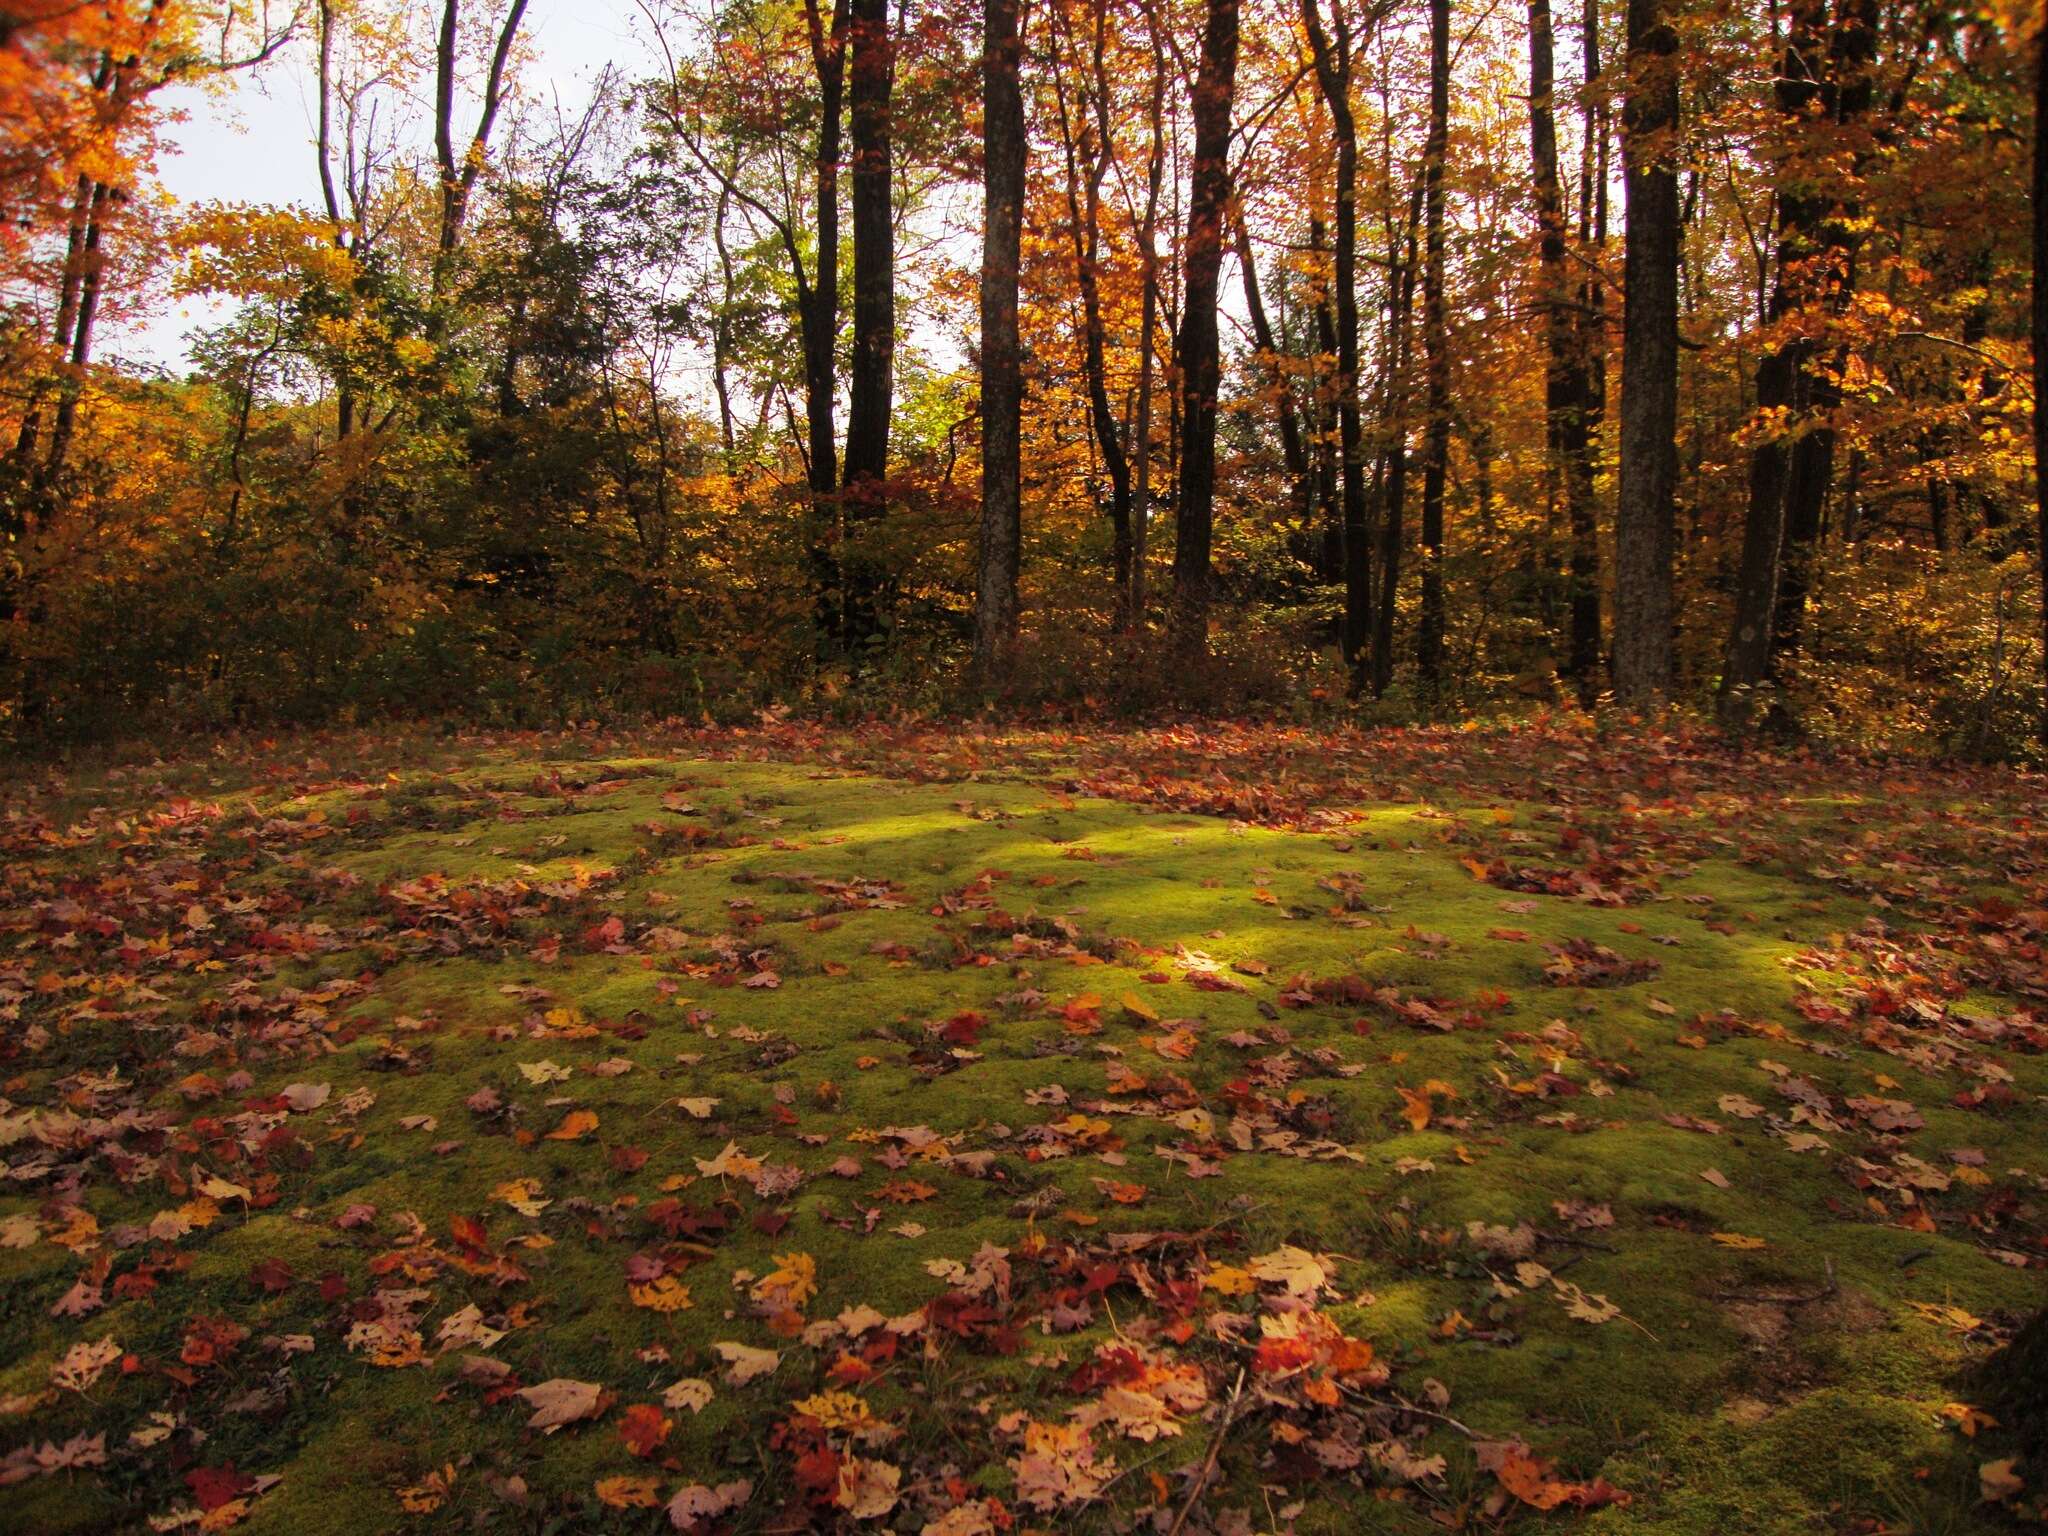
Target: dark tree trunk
1401	260
871	379
1567	383
1002	376
1645	509
1851	87
1436	443
818	314
1198	351
1293	452
1148	321
91	279
1790	468
1333	75
2040	328
1323	403
1087	163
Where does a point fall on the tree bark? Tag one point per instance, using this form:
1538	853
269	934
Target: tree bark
818	314
1333	75
1087	164
1645	510
871	379
1566	384
1791	465
1198	350
1429	632
1002	376
1293	452
1402	264
1148	321
2040	331
458	180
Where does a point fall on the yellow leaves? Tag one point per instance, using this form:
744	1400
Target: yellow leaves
523	1195
1138	1008
1058	1466
1301	1272
1968	1420
731	1162
1416	1104
429	1493
1228	1280
1739	1241
790	1284
259	251
1948	1317
666	1294
629	1492
575	1125
79	1229
837	1410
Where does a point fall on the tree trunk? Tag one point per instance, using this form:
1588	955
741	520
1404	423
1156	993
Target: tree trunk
1198	350
1401	262
1002	376
871	378
1852	50
92	276
1566	381
1429	632
1328	495
2040	328
818	316
1087	164
1790	467
1333	75
1645	509
1293	452
1148	321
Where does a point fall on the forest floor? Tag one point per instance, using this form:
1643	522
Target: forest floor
1223	1130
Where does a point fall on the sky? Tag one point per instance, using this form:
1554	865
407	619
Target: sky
253	142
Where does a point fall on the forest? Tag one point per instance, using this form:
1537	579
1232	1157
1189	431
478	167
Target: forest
1380	362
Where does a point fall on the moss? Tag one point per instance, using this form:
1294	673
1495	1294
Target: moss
1560	1096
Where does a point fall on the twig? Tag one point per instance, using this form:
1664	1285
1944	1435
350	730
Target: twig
1209	1461
1442	1418
1785	1301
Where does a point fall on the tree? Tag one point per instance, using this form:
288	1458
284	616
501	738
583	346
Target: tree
1002	377
458	182
1567	380
1333	76
1645	511
1823	85
1089	148
1436	443
2039	333
1197	353
871	378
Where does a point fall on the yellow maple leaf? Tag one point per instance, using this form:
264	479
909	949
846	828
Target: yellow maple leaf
667	1294
577	1123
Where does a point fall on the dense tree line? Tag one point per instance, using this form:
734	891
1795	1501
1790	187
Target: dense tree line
1084	351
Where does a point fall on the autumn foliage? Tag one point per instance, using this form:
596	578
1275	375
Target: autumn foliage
670	401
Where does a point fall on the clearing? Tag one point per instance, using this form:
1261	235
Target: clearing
1220	1130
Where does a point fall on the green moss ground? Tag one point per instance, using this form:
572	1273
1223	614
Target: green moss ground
1794	1385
